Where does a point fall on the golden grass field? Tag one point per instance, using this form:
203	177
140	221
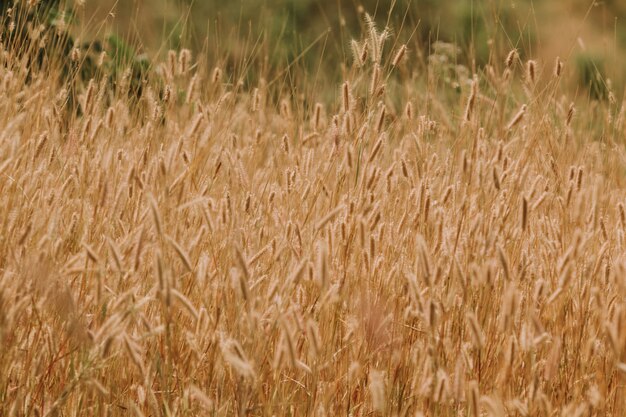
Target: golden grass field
219	249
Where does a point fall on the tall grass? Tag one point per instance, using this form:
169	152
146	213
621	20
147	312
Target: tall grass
210	249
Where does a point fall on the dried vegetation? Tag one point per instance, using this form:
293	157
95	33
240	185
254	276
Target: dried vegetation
212	249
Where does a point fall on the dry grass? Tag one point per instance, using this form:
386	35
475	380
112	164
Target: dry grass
213	251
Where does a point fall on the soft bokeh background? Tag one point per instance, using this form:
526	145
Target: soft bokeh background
588	35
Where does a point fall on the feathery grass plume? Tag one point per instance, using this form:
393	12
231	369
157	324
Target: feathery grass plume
321	265
345	91
243	264
310	137
91	254
376	148
478	337
198	394
43	138
408	110
517	118
372	40
405	169
172	63
348	122
25	234
509	307
156	216
432	315
558	67
375	79
109	119
496	178
471	100
531	71
565	277
570	115
99	387
458	384
185	302
161	280
357	53
294	278
75	55
510	59
493	405
285	109
329	217
349	158
89	97
182	254
539	200
184	61
255	100
399	55
133	353
382	38
376	387
511	351
117	258
233	354
441	387
446	195
335	131
239	281
289	344
216	78
553	361
317	114
279	357
504	261
473	399
372	179
381	119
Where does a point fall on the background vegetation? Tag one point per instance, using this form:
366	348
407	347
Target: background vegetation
314	28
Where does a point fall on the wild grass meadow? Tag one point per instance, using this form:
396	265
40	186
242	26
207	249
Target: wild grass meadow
421	230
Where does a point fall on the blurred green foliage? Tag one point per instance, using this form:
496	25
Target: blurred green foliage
291	26
480	28
592	74
280	33
41	33
242	34
295	24
276	33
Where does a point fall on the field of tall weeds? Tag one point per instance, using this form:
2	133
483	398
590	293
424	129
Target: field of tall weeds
208	246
